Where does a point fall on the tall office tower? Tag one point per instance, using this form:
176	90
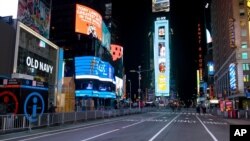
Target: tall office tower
230	33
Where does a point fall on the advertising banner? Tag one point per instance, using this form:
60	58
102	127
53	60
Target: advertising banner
116	52
160	5
232	76
88	21
36	15
162	58
93	68
35	55
106	37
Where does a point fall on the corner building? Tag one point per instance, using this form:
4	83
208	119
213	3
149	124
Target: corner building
230	33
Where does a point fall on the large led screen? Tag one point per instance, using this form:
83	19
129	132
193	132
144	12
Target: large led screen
106	37
90	67
160	5
36	15
161	58
35	55
116	52
88	21
119	86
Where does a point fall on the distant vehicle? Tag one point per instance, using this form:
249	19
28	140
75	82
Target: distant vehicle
149	104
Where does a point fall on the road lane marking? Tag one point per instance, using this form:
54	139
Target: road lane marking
158	133
60	131
100	135
132	124
209	132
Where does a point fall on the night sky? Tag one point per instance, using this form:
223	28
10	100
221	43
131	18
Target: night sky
133	30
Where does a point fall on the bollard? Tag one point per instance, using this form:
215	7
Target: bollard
246	114
39	120
4	123
238	112
24	122
48	119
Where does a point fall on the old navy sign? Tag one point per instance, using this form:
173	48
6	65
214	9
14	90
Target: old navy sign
34	63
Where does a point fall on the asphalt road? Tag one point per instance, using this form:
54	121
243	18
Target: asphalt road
152	126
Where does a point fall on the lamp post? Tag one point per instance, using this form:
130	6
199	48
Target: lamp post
139	82
130	94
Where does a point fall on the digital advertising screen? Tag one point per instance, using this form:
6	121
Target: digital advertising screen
162	58
22	96
160	5
35	55
210	66
116	52
88	21
90	67
119	86
36	15
94	88
106	36
232	76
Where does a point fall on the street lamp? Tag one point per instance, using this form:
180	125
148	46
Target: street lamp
139	81
130	94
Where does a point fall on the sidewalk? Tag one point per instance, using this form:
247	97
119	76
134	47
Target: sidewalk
238	121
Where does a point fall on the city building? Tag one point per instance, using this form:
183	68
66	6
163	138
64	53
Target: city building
83	30
230	33
29	61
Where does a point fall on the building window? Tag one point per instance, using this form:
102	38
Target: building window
242	12
242	23
244	55
246	78
243	44
243	32
241	2
245	67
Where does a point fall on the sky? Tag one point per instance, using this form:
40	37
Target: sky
134	29
135	20
8	8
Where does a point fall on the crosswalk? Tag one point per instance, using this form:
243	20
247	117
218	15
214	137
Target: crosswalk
186	113
208	118
188	121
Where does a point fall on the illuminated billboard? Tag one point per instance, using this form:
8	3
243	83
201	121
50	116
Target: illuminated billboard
90	67
106	37
210	66
232	76
119	86
116	51
35	55
36	15
160	5
88	21
161	58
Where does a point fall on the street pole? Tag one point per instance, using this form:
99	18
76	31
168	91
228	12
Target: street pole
130	100
139	82
139	89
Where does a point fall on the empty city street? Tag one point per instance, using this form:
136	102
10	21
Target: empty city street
152	126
